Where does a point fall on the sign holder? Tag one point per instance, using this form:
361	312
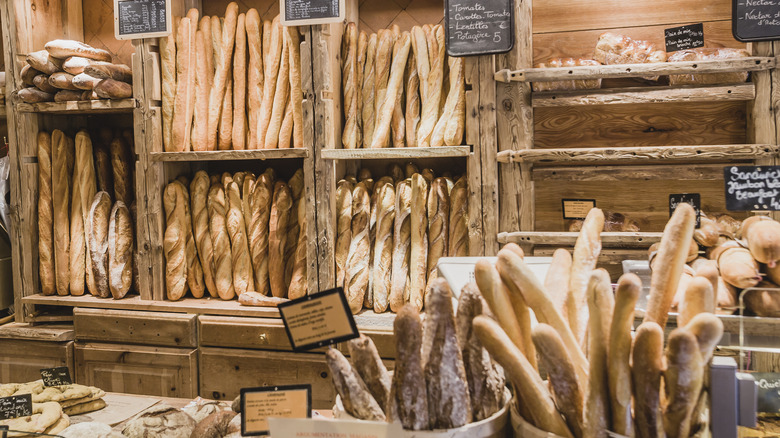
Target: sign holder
272	401
305	21
318	320
149	3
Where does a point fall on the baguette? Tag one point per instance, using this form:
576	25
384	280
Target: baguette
281	94
223	265
199	189
259	300
683	381
419	237
99	217
46	269
362	48
272	66
67	48
181	125
42	83
438	225
225	128
285	131
697	298
556	283
208	51
239	249
398	124
169	87
343	228
368	90
408	400
240	85
400	289
84	188
458	223
117	72
669	264
123	168
62	155
202	87
356	276
299	282
435	79
261	204
222	74
412	92
67	96
62	81
194	268
175	242
619	353
368	301
293	226
111	89
354	394
47	64
386	107
84	81
383	247
246	188
586	253
456	125
369	366
531	391
382	65
647	359
600	304
296	89
254	73
216	45
27	74
34	95
120	251
349	77
567	388
268	27
708	330
277	237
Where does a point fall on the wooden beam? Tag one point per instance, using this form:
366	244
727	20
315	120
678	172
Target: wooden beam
395	153
80	107
643	153
754	63
612	240
259	154
737	92
710	172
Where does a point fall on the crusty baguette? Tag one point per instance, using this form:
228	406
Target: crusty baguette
121	249
368	301
697	299
368	90
67	48
362	47
412	93
647	366
243	278
168	60
418	257
299	282
600	304
349	77
586	253
205	27
175	242
246	188
222	73
531	390
225	128
223	265
62	155
369	366
456	124
202	88
240	85
45	63
277	237
296	185
46	270
708	330
408	400
194	268
669	263
111	89
435	80
459	218
398	123
383	247
382	66
355	396
438	225
343	228
272	66
122	164
619	353
402	236
520	280
356	276
216	44
296	88
281	94
556	283
199	189
683	380
117	72
386	106
286	129
260	203
181	126
254	74
99	217
567	389
83	191
42	82
268	27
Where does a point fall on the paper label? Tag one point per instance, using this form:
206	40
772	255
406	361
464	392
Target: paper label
16	406
56	376
577	208
318	320
260	404
289	428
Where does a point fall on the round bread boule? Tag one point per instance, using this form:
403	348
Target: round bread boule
161	421
200	411
214	426
90	430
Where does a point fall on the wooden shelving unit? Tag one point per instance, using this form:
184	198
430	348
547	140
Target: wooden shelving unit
80	107
260	154
395	153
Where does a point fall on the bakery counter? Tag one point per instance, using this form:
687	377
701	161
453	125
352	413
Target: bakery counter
80	107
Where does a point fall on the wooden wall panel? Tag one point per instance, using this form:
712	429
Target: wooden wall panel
268	9
381	14
21	360
99	30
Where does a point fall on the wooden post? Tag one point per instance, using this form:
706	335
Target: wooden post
476	159
761	123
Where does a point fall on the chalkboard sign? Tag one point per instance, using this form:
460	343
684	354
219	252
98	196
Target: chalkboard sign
480	27
684	37
16	406
752	188
135	19
56	376
755	20
306	12
694	199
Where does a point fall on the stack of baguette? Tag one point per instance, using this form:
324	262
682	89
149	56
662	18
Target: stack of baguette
443	377
69	70
86	211
633	388
236	235
231	83
400	89
392	232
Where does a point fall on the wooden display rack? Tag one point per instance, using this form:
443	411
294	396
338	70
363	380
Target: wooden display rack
626	147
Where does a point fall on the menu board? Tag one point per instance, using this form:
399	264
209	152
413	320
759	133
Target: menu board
56	376
480	27
136	19
755	20
306	12
752	188
694	199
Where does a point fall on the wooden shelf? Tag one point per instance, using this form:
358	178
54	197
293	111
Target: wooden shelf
80	107
720	93
574	156
565	238
390	153
754	63
257	154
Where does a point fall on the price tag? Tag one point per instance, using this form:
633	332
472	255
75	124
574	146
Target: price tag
16	406
755	20
318	320
577	208
479	28
260	404
56	376
694	199
136	19
752	188
308	12
684	37
341	428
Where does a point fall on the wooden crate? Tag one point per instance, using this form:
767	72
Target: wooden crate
136	327
627	148
25	349
333	162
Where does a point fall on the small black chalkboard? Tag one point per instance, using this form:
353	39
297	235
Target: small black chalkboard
56	376
305	12
134	19
752	188
694	199
480	27
684	37
16	406
755	20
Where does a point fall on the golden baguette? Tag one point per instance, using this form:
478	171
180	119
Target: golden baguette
586	254
202	87
181	125
697	299
357	267
296	90
260	203
343	228
194	268
272	63
402	235
168	76
619	353
556	283
647	366
412	111
255	78
174	242
349	77
382	63
418	257
223	265
600	304
225	129
199	189
387	106
399	122
531	390
368	90
451	113
45	215
708	330
298	282
62	167
683	381
240	90
205	28
431	104
277	237
362	48
383	247
222	74
281	94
